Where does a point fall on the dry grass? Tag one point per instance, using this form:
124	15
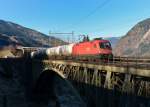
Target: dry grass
5	52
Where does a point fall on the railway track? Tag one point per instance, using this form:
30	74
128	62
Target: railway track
133	59
138	62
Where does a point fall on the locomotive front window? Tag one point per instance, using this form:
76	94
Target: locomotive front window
105	45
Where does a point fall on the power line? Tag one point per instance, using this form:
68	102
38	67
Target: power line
101	5
96	9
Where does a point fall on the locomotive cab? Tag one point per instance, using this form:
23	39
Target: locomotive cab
105	49
105	45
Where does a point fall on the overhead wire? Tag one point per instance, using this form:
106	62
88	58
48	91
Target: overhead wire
101	5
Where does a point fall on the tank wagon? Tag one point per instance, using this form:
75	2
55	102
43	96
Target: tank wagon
95	49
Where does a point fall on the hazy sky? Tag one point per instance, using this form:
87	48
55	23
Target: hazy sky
94	17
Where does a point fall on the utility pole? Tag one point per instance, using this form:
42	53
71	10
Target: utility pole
73	37
49	39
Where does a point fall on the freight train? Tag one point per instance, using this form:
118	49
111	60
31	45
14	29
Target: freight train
95	49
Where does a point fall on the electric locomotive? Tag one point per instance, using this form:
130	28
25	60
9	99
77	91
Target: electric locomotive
95	49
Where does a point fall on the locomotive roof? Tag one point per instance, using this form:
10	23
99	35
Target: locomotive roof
102	40
93	41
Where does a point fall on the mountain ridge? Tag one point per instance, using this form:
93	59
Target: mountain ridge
26	36
136	42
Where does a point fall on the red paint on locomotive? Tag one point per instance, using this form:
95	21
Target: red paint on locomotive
95	47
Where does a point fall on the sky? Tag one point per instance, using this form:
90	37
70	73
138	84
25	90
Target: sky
97	18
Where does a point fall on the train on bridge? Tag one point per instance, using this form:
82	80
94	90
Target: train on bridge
95	49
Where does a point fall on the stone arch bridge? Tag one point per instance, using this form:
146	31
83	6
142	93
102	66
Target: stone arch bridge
91	84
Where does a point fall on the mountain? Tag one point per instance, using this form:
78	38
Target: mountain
136	42
113	40
14	34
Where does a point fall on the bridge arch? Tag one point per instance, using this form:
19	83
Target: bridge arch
52	87
43	89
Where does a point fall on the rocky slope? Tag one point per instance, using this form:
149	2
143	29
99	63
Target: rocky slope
136	42
14	34
6	40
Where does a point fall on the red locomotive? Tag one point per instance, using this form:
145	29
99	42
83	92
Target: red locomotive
95	49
